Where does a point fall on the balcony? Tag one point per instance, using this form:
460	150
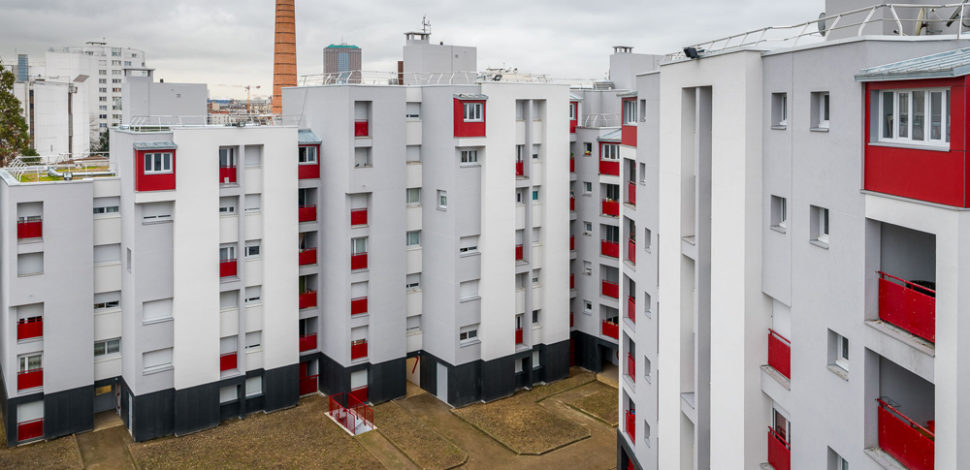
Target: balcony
227	174
611	329
610	248
572	204
308	170
30	379
518	252
611	208
631	193
907	305
358	261
779	451
572	243
358	305
611	289
631	367
228	361
30	429
520	168
358	349
905	440
361	128
358	217
779	353
31	328
308	342
572	165
631	250
308	299
307	213
308	256
630	424
30	229
518	336
631	308
228	268
609	167
572	281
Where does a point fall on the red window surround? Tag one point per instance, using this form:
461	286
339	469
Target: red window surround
361	128
628	134
779	353
358	261
905	440
30	429
608	248
611	329
308	299
468	128
308	342
611	289
938	176
908	306
572	203
309	170
572	243
779	451
227	361
30	229
518	336
358	305
575	120
307	213
153	182
30	328
611	208
227	174
358	349
358	217
228	268
308	256
30	379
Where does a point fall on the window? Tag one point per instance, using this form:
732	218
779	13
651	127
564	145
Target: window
781	424
227	205
442	199
254	340
469	157
107	254
838	354
473	112
228	394
646	239
227	253
572	111
158	212
610	152
842	352
308	155
646	432
104	348
587	148
587	187
820	110
362	157
413	281
587	228
819	225
412	110
107	301
156	310
128	260
468	334
358	245
254	386
468	290
413	196
779	213
535	317
253	294
587	268
535	360
779	110
629	112
646	368
106	205
158	162
646	304
468	244
158	360
252	202
252	248
414	238
535	194
29	362
536	277
904	116
29	264
536	150
587	307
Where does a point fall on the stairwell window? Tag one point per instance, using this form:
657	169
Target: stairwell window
820	111
442	199
469	158
819	226
414	238
779	110
779	213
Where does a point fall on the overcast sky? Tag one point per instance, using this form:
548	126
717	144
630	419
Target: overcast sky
230	42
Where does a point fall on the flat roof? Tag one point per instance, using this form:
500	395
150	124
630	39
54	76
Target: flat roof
946	64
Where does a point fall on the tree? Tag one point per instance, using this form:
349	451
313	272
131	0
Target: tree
104	143
14	138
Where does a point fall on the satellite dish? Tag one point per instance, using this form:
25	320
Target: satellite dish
821	24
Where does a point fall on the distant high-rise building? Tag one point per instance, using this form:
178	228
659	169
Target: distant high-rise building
342	62
284	53
23	68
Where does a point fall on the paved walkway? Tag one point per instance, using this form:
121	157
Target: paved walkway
105	449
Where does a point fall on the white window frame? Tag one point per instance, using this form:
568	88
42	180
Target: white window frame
823	110
416	192
823	225
610	152
629	112
469	157
442	199
358	246
573	110
230	253
412	238
107	347
307	155
249	252
468	335
23	362
164	163
942	142
474	111
842	352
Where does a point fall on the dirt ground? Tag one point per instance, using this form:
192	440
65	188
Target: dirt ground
596	400
412	435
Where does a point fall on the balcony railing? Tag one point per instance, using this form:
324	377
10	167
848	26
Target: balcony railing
308	256
30	229
572	281
308	342
779	353
572	204
611	208
609	167
358	349
358	261
355	417
631	308
630	424
572	165
308	299
611	329
358	305
519	168
30	328
228	267
631	250
361	128
518	336
518	252
903	439
307	213
308	384
631	193
228	361
611	289
30	429
610	248
907	305
227	174
779	451
358	217
30	379
631	367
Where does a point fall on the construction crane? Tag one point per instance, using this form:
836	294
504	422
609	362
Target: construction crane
249	94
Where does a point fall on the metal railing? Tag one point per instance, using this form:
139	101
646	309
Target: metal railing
369	77
601	120
163	122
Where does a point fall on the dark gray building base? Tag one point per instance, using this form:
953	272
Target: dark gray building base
591	352
625	458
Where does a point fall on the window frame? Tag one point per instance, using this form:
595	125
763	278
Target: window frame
842	352
610	151
107	352
165	161
477	113
629	112
928	141
468	157
305	156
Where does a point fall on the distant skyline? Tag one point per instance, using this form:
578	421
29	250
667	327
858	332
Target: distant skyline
224	42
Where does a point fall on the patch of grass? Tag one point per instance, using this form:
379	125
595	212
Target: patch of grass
600	403
413	436
300	437
523	426
59	453
579	378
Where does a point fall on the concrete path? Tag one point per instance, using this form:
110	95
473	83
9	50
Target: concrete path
105	449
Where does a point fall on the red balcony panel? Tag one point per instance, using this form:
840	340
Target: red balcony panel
905	440
570	319
228	361
308	256
308	299
611	249
308	342
631	367
361	128
779	451
631	308
30	229
307	213
518	336
611	329
611	289
611	208
227	174
30	429
779	353
228	267
30	328
358	217
520	168
358	305
572	165
308	384
357	396
308	171
30	379
358	349
609	167
518	252
630	424
631	251
469	128
628	135
572	281
572	203
153	181
631	193
908	306
572	243
358	261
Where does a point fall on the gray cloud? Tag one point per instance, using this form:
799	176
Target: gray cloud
231	42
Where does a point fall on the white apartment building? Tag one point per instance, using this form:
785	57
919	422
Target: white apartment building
56	115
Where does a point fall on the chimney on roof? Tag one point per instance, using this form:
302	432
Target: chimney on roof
284	52
623	49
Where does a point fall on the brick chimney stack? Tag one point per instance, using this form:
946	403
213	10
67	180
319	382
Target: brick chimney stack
284	52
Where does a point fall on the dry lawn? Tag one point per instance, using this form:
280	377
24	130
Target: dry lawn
56	454
578	378
413	436
300	437
598	401
523	427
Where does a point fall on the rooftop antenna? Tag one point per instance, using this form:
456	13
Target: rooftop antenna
425	25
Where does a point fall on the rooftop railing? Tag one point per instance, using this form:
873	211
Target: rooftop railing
163	122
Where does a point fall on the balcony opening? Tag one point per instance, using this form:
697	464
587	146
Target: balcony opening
307	248
905	422
611	200
610	282
228	265
227	165
308	334
630	418
906	281
362	116
307	203
30	372
308	291
228	353
358	298
30	217
610	324
358	253
779	444
609	159
610	241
